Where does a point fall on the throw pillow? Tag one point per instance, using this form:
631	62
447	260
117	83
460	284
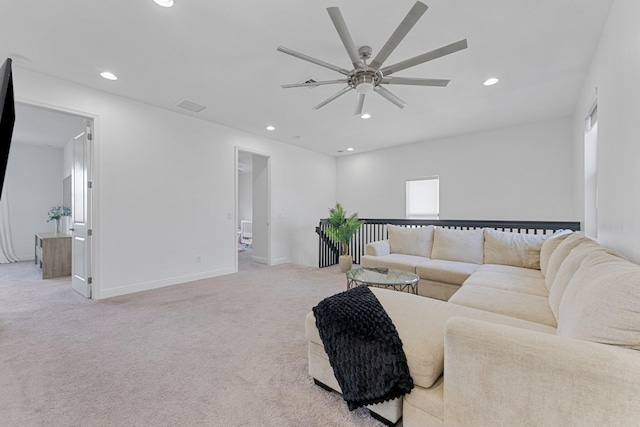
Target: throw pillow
516	249
458	245
410	241
601	302
549	246
567	269
560	254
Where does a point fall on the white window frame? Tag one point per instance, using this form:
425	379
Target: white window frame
421	212
590	225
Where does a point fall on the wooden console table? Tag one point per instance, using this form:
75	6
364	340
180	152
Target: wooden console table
53	254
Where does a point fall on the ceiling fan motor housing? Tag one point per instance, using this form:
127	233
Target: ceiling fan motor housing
363	81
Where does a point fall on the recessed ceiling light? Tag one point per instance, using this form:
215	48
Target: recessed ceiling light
349	149
164	3
366	116
270	128
109	76
491	81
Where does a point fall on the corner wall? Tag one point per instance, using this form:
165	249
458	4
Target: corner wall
615	74
517	173
33	185
164	191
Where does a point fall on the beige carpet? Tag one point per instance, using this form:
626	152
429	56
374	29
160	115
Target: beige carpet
229	351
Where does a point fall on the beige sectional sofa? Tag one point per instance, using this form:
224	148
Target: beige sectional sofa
445	258
539	330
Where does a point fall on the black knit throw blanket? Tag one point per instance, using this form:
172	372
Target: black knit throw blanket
363	346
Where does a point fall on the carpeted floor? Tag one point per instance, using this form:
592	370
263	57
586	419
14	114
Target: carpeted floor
228	351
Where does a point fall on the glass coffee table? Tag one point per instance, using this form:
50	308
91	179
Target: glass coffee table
398	280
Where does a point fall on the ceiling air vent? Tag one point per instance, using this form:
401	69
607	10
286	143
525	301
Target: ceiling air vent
191	106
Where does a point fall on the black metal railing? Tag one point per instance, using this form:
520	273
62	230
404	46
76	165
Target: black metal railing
375	229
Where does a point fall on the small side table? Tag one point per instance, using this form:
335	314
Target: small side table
53	254
398	280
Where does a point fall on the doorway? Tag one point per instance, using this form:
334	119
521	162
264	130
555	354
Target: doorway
253	208
49	165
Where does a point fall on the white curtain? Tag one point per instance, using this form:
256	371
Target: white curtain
6	244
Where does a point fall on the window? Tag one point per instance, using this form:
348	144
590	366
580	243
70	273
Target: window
591	174
423	198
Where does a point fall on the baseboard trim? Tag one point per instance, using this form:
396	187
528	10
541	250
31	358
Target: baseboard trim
260	259
155	284
265	261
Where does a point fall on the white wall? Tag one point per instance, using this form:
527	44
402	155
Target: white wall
615	72
33	184
164	190
67	159
517	173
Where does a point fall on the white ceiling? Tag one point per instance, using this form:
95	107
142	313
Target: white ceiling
222	54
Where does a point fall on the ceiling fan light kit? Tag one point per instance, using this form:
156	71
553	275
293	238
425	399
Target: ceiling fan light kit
164	3
366	78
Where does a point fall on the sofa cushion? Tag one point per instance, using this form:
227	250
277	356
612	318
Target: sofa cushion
458	245
420	325
439	270
549	246
532	308
509	269
425	404
410	240
601	302
397	261
510	281
560	253
516	249
566	271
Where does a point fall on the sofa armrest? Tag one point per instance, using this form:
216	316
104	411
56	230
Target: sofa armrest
501	375
379	248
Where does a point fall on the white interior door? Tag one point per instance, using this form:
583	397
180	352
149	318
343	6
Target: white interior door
260	210
80	213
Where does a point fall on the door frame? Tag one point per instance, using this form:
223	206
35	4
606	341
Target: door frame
92	209
236	209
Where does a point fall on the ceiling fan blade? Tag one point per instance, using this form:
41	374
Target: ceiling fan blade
417	60
331	98
403	29
314	84
313	60
390	96
345	36
359	104
414	82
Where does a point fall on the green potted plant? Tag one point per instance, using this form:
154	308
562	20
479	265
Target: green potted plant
341	229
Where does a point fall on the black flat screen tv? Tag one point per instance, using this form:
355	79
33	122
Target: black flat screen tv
7	117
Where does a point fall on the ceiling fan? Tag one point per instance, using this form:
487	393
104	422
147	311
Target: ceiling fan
366	78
